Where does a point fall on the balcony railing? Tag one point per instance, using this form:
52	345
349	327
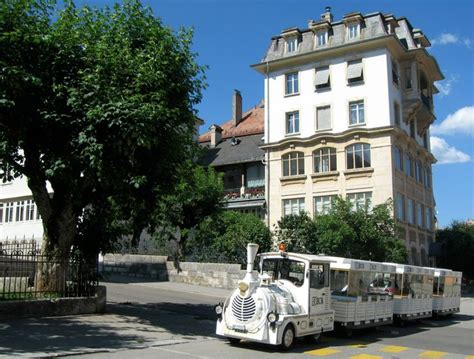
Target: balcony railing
248	193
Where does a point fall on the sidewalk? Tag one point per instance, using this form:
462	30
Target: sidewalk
124	326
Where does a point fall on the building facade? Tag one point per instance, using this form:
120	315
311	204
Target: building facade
233	148
348	106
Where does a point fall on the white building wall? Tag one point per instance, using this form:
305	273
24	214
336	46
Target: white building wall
374	91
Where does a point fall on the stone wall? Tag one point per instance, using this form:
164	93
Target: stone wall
54	307
218	275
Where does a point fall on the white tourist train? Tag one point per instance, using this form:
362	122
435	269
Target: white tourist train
301	295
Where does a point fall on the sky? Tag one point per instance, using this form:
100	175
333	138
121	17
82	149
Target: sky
231	35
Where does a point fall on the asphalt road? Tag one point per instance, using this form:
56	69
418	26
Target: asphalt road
171	320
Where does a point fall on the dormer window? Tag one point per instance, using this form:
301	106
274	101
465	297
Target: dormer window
353	31
321	38
291	45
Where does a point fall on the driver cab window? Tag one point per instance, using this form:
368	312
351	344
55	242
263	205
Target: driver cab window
319	276
285	268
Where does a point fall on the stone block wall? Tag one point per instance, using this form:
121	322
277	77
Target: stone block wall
218	275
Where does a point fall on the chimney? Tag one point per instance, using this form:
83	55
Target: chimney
216	135
327	14
252	250
236	108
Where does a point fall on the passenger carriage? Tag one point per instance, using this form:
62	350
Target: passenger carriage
412	292
446	291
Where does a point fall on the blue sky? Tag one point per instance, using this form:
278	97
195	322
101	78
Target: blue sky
230	35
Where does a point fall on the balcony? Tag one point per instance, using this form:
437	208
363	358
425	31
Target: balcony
419	106
246	197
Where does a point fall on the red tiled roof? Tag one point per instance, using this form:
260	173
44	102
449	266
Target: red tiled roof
252	124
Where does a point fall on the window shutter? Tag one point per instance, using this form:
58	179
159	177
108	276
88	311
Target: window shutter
323	118
354	70
322	76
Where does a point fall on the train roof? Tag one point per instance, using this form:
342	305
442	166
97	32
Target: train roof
409	269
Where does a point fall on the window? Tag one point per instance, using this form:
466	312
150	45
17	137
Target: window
427	177
30	210
353	31
408	79
318	277
419	172
255	176
293	206
412	128
321	38
292	122
360	200
400	206
323	79
358	156
1	212
355	71
9	212
293	164
291	45
395	77
356	113
20	211
398	158
291	83
323	118
396	110
419	214
409	165
322	204
425	140
428	218
325	160
411	211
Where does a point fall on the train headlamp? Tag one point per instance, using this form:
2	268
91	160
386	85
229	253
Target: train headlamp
218	308
272	317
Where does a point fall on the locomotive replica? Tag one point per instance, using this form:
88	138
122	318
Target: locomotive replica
301	295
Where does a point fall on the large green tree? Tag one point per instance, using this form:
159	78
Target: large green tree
454	248
99	104
347	232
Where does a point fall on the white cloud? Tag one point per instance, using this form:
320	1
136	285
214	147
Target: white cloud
462	121
447	38
445	86
445	153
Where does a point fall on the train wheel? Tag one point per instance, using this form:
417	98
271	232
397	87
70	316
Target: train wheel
314	338
288	337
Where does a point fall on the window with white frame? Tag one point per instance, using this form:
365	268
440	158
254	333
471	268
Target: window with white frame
353	31
355	71
396	110
293	164
400	206
411	211
419	214
20	211
293	206
9	212
291	87
428	218
395	76
356	113
30	210
322	78
398	158
360	200
323	204
419	172
409	165
358	156
427	177
325	160
292	122
323	118
321	38
291	44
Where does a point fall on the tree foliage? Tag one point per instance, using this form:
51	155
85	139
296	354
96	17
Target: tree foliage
346	232
456	248
223	237
98	103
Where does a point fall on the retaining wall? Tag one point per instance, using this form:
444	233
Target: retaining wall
218	275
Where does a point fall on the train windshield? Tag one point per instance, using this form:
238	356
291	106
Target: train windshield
284	268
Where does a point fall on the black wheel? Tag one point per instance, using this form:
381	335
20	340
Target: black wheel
348	332
233	341
288	337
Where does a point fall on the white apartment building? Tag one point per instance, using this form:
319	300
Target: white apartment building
348	106
19	217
